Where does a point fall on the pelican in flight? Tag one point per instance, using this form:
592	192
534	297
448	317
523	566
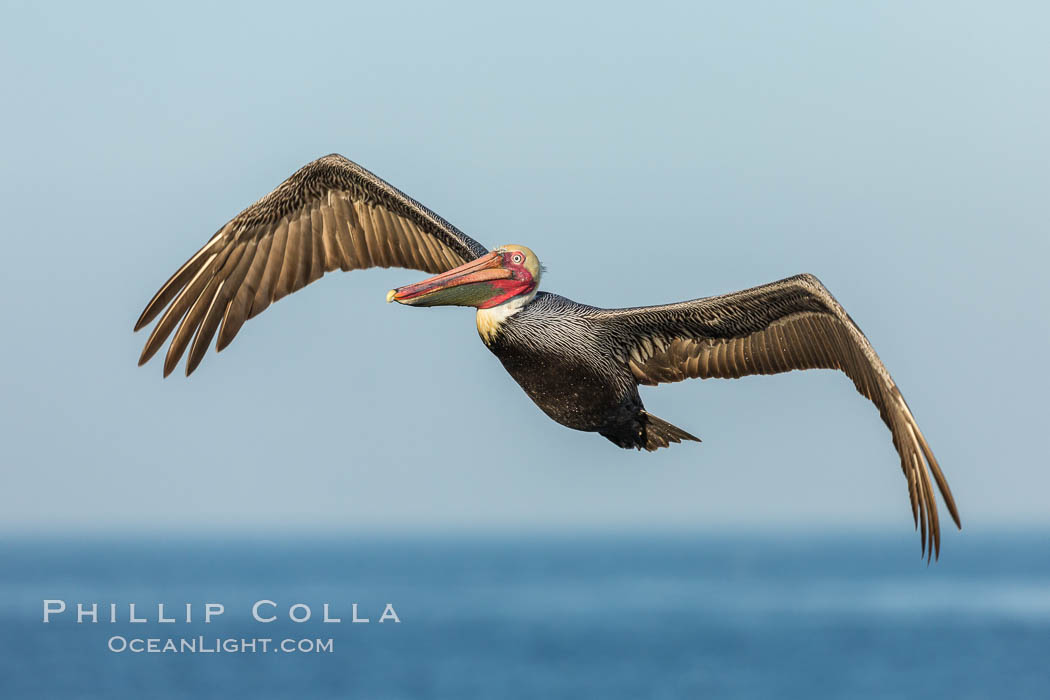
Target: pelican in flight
580	364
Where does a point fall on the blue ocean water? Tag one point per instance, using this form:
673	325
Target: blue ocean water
850	616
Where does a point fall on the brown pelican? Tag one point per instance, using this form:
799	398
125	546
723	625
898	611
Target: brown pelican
580	364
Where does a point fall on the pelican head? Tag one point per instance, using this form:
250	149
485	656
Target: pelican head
509	272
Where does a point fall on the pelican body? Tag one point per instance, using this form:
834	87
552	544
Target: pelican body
580	364
569	376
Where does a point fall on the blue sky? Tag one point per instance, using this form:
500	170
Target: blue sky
897	151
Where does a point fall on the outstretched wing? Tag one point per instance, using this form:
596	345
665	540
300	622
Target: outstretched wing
331	214
791	324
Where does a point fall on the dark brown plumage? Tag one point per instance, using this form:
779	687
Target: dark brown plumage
580	364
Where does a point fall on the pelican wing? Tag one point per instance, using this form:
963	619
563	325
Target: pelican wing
331	214
791	324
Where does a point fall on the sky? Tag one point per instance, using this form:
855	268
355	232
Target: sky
899	151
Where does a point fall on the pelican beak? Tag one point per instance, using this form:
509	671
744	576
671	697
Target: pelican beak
471	284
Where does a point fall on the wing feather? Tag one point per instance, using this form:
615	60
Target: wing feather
181	304
232	288
290	268
320	257
264	295
341	218
205	330
333	255
241	307
189	326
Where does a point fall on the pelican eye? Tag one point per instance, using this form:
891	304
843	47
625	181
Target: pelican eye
517	259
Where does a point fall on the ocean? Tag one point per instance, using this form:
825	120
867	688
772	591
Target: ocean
583	616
